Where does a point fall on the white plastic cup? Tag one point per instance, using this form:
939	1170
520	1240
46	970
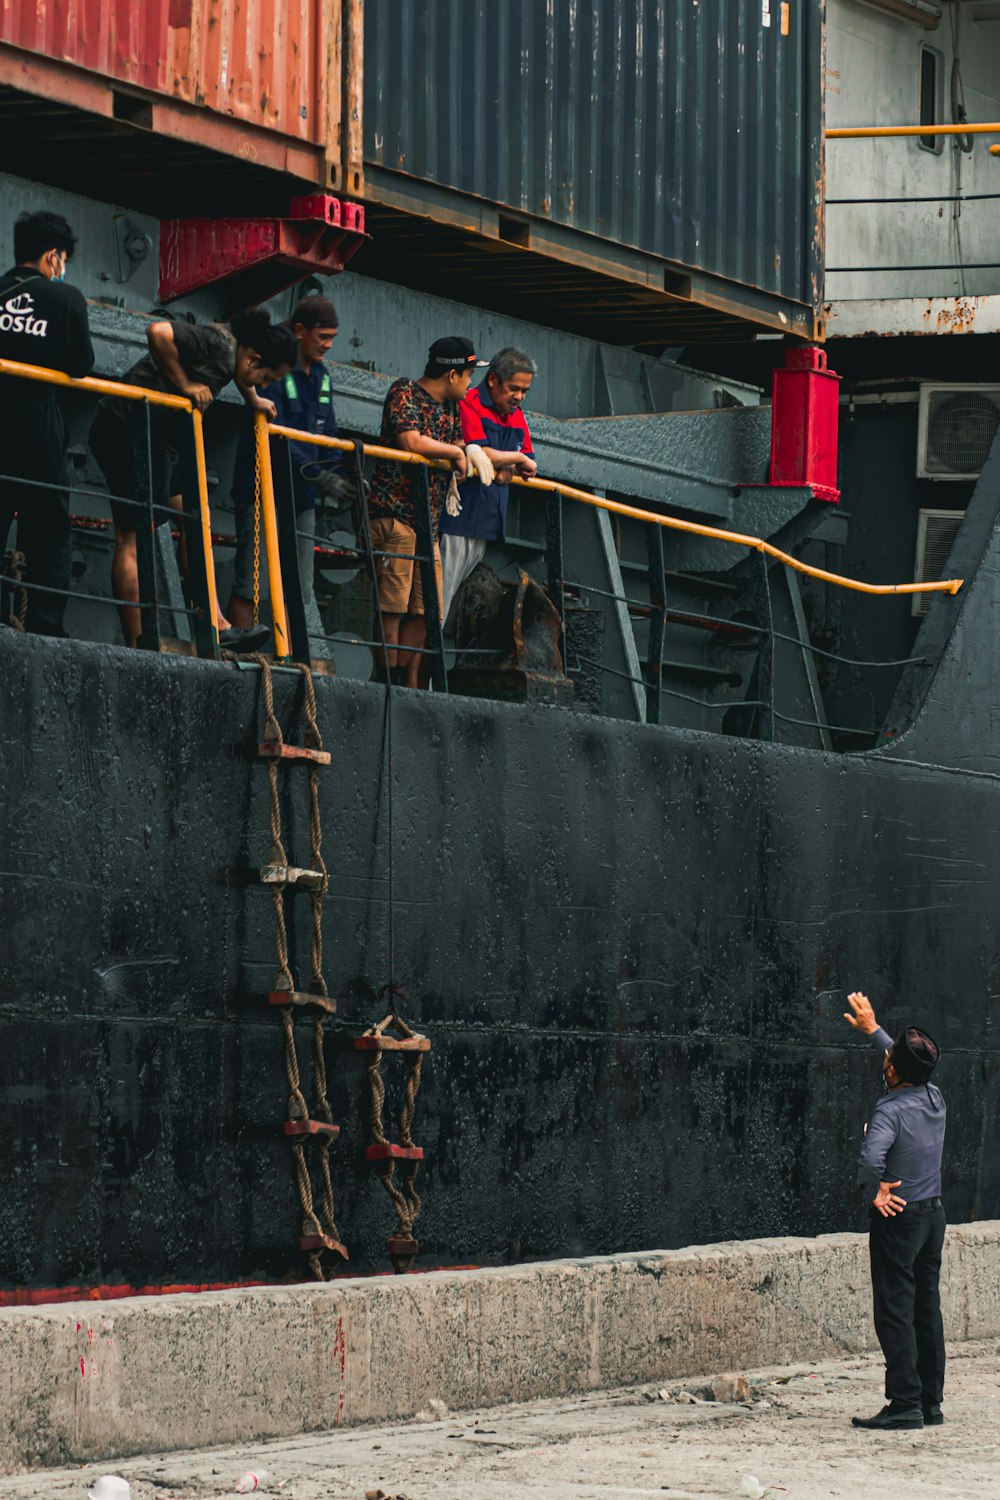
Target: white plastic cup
253	1479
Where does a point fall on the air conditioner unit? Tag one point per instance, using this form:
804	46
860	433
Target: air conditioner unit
936	533
956	430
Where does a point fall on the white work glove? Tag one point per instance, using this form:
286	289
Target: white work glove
453	504
479	464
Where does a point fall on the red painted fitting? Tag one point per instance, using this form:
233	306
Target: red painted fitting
260	256
804	413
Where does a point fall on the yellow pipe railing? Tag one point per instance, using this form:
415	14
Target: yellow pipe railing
279	615
670	523
94	383
263	429
101	387
864	132
205	519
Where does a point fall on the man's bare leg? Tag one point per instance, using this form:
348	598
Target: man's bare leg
240	612
176	502
125	584
387	660
412	632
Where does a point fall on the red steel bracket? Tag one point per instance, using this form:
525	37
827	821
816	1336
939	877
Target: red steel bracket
259	257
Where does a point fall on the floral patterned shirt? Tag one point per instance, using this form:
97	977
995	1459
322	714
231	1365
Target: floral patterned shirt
408	408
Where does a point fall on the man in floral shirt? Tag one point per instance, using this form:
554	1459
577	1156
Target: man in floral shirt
419	416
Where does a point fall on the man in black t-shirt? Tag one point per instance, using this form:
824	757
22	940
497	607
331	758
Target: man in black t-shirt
196	361
42	322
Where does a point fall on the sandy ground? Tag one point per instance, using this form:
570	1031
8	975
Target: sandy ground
794	1435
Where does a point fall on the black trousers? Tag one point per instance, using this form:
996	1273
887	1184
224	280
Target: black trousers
43	530
906	1268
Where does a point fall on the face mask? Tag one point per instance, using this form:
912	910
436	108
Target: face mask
61	273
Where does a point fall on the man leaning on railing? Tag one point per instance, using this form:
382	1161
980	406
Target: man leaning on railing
493	421
42	322
302	399
195	361
419	416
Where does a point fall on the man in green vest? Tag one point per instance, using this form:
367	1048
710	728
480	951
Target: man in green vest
302	399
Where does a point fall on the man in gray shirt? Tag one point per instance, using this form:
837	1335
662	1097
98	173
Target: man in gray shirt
902	1150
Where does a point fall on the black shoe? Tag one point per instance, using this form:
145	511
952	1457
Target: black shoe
253	638
933	1415
892	1416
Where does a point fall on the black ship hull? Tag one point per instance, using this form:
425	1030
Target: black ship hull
629	946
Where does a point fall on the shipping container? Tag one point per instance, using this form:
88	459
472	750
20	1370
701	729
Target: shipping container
275	84
687	130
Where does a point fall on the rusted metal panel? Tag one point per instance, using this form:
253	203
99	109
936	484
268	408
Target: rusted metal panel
688	129
287	67
889	317
258	62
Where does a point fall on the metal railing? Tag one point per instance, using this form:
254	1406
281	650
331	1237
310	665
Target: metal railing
196	515
759	703
878	132
292	634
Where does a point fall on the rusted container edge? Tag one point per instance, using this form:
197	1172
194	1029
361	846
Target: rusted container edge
233	78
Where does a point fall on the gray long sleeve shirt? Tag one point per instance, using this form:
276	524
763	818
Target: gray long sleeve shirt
905	1138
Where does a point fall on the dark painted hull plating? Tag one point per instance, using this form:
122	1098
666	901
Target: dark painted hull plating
629	946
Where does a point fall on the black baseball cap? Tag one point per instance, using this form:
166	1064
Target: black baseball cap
914	1055
454	353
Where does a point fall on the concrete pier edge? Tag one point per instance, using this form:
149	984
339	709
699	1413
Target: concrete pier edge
88	1381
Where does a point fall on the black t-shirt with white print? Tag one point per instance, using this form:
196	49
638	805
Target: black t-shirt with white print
43	323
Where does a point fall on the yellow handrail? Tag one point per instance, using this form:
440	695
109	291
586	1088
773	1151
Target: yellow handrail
279	615
671	523
205	517
860	132
155	398
394	455
94	383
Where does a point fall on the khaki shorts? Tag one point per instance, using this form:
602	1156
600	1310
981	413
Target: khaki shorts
400	591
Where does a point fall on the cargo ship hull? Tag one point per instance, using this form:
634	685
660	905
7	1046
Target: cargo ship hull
629	946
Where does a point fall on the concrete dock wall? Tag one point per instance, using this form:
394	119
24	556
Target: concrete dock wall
86	1381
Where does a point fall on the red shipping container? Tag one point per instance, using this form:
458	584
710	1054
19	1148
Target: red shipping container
804	414
276	83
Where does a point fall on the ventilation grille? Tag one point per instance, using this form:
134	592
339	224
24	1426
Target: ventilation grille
957	426
936	533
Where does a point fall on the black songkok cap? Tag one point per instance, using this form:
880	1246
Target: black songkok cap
315	312
914	1055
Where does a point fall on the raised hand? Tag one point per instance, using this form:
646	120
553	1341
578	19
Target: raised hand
860	1016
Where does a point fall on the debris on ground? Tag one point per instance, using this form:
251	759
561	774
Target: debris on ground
434	1411
751	1487
730	1388
253	1479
